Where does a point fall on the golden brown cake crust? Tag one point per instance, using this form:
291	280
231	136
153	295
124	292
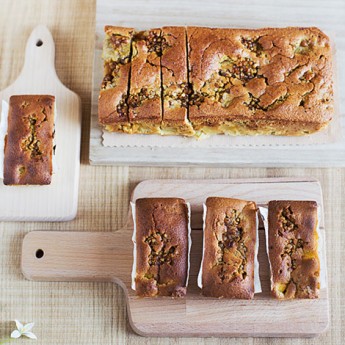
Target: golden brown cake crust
293	243
175	80
29	140
281	74
117	44
229	240
112	102
118	30
113	97
162	247
145	108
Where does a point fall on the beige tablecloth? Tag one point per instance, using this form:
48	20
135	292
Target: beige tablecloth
95	313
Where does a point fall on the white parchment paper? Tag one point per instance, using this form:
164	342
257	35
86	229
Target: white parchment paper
134	240
203	245
3	132
189	240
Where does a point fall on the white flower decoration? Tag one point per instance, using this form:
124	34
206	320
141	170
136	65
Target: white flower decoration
23	330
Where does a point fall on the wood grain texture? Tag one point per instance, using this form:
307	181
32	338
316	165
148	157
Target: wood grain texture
95	313
59	200
248	14
108	257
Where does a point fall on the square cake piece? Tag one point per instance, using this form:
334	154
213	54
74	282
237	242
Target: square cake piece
293	249
162	247
175	82
229	248
145	107
267	81
29	140
113	97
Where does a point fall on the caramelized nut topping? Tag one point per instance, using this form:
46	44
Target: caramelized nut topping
112	73
136	100
304	47
183	96
159	253
122	107
288	224
287	220
156	43
232	242
252	44
254	103
31	143
118	40
178	94
243	69
195	98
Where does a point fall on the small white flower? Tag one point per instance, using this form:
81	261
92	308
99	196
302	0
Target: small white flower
23	330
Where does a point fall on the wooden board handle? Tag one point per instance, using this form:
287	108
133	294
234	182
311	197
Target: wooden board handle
77	256
40	57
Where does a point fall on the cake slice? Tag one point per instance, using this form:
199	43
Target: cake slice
266	81
161	247
145	107
229	248
175	82
293	249
113	98
29	141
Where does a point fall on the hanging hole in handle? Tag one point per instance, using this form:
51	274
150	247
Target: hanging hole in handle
39	253
39	43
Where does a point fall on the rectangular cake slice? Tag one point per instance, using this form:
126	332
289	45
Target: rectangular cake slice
29	140
267	81
145	107
113	98
293	249
229	248
175	82
162	252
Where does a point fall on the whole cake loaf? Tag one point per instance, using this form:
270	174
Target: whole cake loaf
229	248
198	81
293	249
29	141
161	247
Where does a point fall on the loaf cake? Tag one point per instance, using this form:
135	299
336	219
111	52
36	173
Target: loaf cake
145	108
229	248
293	249
29	141
161	247
198	81
175	82
113	98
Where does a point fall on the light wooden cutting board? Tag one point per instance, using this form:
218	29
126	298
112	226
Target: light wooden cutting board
87	256
59	200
